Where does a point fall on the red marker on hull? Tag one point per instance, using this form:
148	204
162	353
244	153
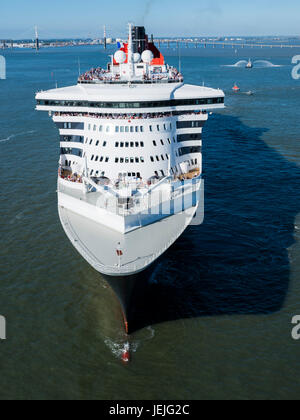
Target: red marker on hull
126	354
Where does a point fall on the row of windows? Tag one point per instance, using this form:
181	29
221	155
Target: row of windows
190	124
73	139
158	158
104	143
130	144
189	137
153	104
129	129
187	150
70	151
100	159
70	125
130	160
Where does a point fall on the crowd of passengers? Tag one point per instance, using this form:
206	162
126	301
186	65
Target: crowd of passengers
106	76
123	181
124	116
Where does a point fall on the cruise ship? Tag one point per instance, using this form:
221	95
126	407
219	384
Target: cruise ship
130	168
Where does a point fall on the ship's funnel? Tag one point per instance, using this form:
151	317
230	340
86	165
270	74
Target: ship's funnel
139	39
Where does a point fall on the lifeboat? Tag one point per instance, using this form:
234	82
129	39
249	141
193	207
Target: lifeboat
236	88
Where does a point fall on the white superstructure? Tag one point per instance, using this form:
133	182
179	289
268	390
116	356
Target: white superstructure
130	169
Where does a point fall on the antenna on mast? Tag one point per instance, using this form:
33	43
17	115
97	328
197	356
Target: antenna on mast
104	37
130	53
179	57
37	42
79	70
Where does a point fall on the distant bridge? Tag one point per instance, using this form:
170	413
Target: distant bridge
203	43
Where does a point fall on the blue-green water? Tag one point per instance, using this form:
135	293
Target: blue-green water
220	300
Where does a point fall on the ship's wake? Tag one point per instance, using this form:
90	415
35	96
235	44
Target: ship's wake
12	136
116	345
256	64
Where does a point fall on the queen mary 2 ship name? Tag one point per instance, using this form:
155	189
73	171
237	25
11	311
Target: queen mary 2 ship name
130	169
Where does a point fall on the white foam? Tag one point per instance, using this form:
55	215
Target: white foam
12	136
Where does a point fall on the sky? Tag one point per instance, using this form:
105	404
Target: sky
82	19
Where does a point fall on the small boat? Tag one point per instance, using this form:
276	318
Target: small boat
236	88
249	64
250	93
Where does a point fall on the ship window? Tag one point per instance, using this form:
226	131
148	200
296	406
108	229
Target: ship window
131	129
104	143
131	160
174	140
169	141
91	141
142	159
116	160
162	157
117	144
190	124
142	129
97	158
191	149
86	140
162	142
142	144
106	159
92	171
150	128
92	158
101	159
131	144
196	161
165	127
158	128
122	129
171	126
117	129
95	128
66	163
137	160
89	126
126	144
167	156
154	143
156	173
157	158
121	160
136	144
126	129
100	128
126	160
97	143
136	129
162	172
107	128
121	144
